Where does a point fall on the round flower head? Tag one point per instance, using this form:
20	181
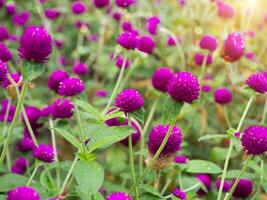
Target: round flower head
184	86
205	88
152	25
128	40
146	44
171	41
208	42
52	13
35	44
254	139
3	71
157	135
225	10
101	93
26	131
80	69
120	60
233	47
33	114
180	159
179	193
258	82
127	26
117	16
250	55
47	111
71	86
101	3
199	59
15	76
205	180
25	144
10	7
124	3
223	96
118	196
226	185
3	33
129	100
3	111
5	54
62	108
161	78
22	18
23	193
20	166
243	189
44	153
55	78
78	7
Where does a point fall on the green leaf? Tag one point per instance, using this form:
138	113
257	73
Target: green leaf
148	196
149	189
203	166
139	115
171	109
219	154
231	174
93	113
87	157
213	136
10	181
70	138
89	176
31	70
116	160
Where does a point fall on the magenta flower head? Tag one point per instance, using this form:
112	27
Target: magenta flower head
22	18
208	42
152	25
33	114
20	165
225	10
3	71
101	3
4	35
78	7
199	59
55	78
12	109
127	26
118	196
223	96
35	44
80	69
15	76
243	189
205	88
5	54
157	135
71	86
180	194
25	144
161	78
258	82
205	180
226	185
128	40
124	3
254	140
23	192
184	86
44	153
101	93
180	159
146	44
52	13
62	108
120	60
129	100
47	111
117	16
233	48
10	7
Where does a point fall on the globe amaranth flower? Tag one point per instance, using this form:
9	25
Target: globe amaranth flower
62	108
20	165
127	26
44	153
180	194
52	13
171	41
205	88
25	144
129	100
205	180
3	71
124	3
46	111
33	114
101	93
250	55
5	54
10	7
254	139
4	35
59	43
71	86
55	78
80	69
101	3
117	16
120	60
12	109
233	47
23	192
157	135
161	78
184	86
199	59
180	159
118	196
35	44
146	44
208	42
26	131
223	96
257	82
21	18
78	7
15	76
128	40
226	185
225	10
243	189
152	25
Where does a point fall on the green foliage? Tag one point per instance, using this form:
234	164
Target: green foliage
31	70
171	109
70	138
203	166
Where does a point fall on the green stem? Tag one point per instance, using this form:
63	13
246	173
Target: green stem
227	117
203	68
157	180
80	128
193	187
180	179
264	112
28	125
33	174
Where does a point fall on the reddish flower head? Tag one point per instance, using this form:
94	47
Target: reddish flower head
146	44
71	86
101	3
243	189
78	7
128	40
152	25
208	42
55	78
44	153
124	3
233	48
62	108
206	181
23	192
180	194
223	96
161	78
225	10
258	82
5	54
199	59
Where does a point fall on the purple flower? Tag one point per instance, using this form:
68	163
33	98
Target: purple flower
124	3
59	43
223	96
78	7
26	131
152	25
161	78
199	59
5	54
117	16
172	41
184	86
257	82
250	55
47	111
205	180
62	108
44	153
101	3
225	10
71	86
120	60
35	44
233	48
55	78
205	88
157	135
254	139
180	159
52	13
23	192
25	144
2	3
22	18
10	7
146	44
118	196
33	114
128	40
127	26
129	100
3	111
15	76
208	42
243	189
226	185
3	71
20	165
101	93
80	69
4	35
179	193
